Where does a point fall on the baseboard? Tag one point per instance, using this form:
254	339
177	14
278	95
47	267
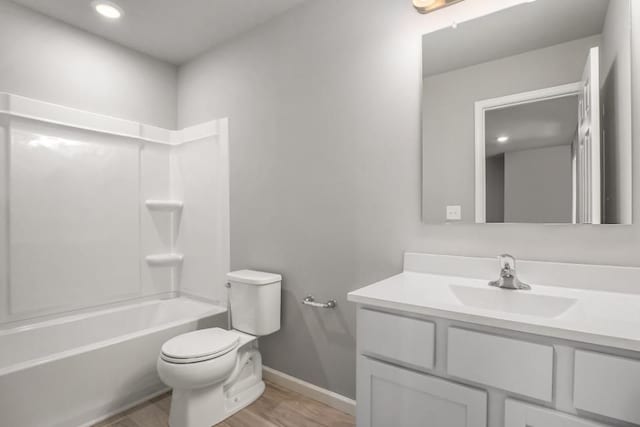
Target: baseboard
335	400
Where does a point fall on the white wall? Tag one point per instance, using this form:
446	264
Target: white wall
538	185
324	107
45	59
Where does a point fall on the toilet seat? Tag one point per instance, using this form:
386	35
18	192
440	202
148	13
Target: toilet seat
199	346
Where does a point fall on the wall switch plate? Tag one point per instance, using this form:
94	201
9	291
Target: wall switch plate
454	213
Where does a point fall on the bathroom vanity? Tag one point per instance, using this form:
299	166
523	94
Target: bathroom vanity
437	343
543	112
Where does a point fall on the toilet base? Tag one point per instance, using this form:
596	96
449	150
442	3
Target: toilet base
245	398
207	406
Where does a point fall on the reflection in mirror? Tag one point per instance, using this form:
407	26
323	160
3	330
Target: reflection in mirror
528	154
527	116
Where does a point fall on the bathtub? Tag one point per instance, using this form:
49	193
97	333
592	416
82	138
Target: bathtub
77	370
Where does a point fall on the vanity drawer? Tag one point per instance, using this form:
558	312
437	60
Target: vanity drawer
607	385
518	414
403	339
517	366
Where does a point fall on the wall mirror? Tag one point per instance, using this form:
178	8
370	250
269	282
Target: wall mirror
527	116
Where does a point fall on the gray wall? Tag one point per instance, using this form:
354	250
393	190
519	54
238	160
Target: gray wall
615	76
538	185
324	107
51	61
325	163
449	121
494	177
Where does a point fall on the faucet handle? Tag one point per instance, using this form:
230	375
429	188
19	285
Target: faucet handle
507	265
507	261
508	278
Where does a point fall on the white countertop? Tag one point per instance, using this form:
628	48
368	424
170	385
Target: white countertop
596	317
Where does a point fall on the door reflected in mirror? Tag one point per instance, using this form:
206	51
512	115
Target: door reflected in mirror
531	122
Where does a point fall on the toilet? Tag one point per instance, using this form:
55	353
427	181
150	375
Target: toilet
216	372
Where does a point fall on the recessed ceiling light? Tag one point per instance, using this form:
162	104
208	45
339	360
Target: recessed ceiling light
107	9
502	139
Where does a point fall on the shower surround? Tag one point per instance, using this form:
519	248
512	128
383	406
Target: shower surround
103	217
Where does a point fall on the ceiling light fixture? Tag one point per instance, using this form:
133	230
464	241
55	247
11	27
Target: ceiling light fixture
503	139
107	9
427	6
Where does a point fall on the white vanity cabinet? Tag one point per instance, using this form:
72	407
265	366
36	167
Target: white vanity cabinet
423	371
439	349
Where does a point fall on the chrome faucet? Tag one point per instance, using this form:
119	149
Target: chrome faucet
508	278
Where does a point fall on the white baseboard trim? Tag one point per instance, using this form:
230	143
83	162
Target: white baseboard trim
335	400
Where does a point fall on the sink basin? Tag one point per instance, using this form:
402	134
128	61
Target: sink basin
519	302
610	319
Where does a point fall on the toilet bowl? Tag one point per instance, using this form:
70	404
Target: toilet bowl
216	372
213	373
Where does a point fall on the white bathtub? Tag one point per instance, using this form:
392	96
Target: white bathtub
79	369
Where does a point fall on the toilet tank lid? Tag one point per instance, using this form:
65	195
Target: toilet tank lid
252	277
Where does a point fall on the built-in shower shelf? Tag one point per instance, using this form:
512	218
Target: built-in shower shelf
164	205
164	260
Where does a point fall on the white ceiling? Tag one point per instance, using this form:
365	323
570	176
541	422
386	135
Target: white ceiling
172	30
535	125
510	32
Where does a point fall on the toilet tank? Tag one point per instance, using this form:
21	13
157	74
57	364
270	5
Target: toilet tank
255	301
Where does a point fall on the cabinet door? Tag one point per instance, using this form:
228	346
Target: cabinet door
518	414
607	385
393	396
